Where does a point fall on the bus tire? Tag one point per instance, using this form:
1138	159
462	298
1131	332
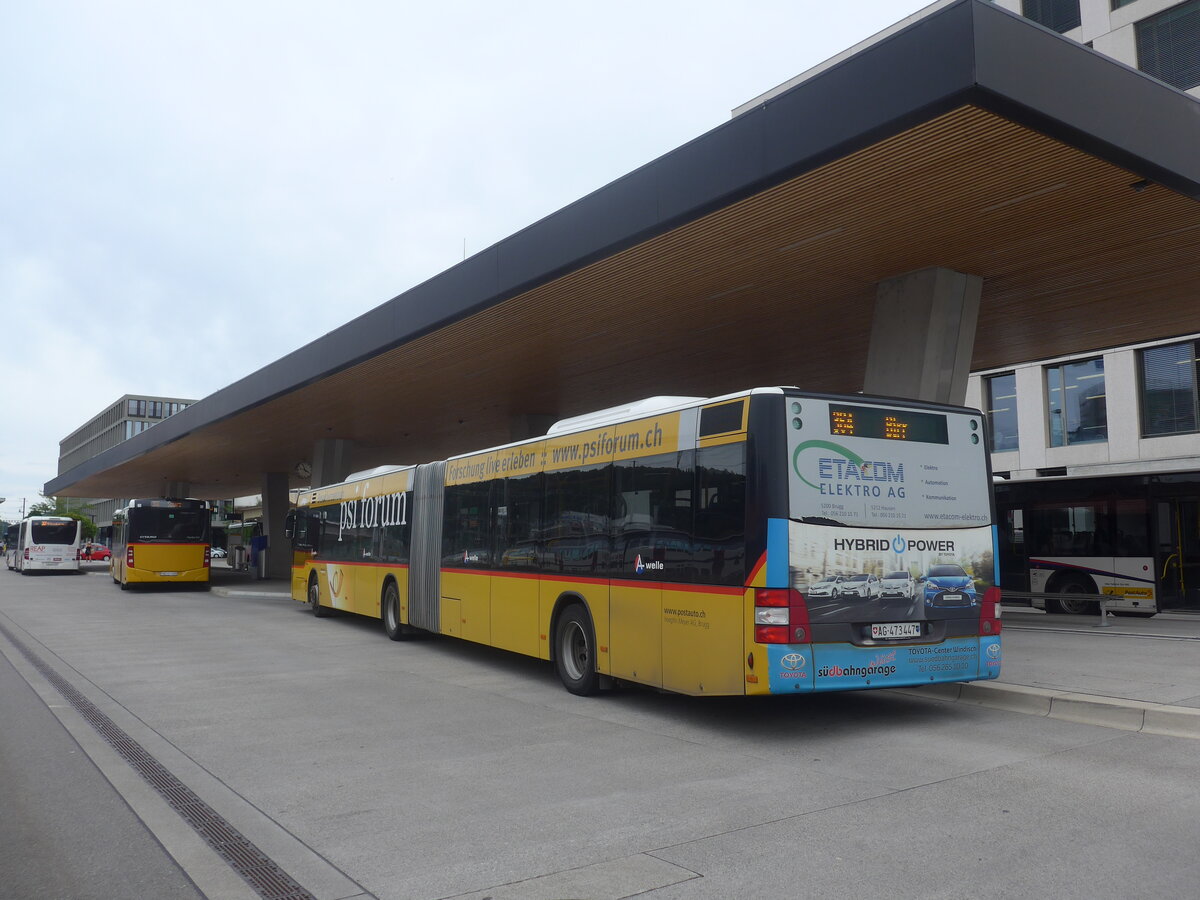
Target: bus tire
1069	605
575	651
390	613
314	598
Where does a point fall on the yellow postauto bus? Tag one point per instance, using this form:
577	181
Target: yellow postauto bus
766	542
162	541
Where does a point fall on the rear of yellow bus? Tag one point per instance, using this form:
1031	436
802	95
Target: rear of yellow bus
164	542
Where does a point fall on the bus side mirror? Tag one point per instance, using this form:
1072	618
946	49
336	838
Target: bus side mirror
289	526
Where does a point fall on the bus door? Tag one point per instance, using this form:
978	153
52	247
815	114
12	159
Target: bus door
1178	551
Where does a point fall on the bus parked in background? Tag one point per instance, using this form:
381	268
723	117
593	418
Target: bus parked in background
46	544
678	543
1133	541
11	535
159	541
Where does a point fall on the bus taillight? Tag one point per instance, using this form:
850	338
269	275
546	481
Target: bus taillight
207	556
129	557
780	616
989	612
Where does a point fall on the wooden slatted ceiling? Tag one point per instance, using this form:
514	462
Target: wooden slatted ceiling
776	289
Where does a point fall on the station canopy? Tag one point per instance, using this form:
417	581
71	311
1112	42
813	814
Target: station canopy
973	140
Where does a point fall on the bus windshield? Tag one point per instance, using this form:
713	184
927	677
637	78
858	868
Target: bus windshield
165	525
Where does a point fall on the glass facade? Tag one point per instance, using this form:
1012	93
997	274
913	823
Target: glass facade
1169	398
1076	403
1002	411
1168	45
1061	15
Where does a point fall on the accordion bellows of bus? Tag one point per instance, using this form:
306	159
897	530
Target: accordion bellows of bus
766	542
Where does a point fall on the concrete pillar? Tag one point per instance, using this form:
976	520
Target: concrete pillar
331	461
922	335
275	505
176	490
529	425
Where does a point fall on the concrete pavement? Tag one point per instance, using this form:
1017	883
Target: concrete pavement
1116	672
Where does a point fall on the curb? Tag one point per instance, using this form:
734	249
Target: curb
1087	709
233	592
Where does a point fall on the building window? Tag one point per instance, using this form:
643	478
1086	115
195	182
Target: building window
1061	15
1075	392
1002	411
1117	4
1170	400
1168	45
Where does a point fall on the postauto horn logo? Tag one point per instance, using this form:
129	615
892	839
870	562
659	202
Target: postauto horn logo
840	472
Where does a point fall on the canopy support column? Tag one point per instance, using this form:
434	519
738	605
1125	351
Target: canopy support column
275	505
331	461
923	335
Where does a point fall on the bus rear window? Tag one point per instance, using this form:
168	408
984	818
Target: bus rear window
53	532
168	525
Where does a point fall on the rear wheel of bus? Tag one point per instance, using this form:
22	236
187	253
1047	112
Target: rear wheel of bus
390	613
575	651
1073	605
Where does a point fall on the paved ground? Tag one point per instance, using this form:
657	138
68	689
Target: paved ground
1122	667
437	768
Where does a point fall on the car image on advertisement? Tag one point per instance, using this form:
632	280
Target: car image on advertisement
829	586
862	587
948	586
898	586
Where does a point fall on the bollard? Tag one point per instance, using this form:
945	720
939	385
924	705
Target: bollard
1104	623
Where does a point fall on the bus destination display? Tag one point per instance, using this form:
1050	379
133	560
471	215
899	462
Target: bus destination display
887	424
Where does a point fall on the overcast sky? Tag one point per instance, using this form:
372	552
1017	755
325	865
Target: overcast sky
191	190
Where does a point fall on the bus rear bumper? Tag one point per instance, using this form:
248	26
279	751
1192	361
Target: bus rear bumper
799	668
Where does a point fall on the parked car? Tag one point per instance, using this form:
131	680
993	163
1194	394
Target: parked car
218	553
948	585
829	586
861	587
95	552
898	586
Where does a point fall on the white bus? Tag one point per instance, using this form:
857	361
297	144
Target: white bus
47	543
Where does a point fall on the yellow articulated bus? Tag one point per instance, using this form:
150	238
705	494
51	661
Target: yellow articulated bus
766	542
162	541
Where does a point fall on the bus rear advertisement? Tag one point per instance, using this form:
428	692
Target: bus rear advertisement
764	542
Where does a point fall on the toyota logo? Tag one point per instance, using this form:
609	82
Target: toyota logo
794	661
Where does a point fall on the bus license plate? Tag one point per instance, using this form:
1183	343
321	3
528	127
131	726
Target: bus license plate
168	574
894	630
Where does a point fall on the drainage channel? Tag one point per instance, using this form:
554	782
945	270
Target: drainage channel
257	869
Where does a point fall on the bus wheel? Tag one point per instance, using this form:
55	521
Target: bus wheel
575	652
390	614
1072	606
314	598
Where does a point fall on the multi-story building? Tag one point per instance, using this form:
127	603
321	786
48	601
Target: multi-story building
1160	37
1097	461
130	415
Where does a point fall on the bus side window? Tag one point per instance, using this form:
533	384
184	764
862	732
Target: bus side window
467	526
653	517
721	514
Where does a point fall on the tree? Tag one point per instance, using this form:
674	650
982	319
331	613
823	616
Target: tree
57	506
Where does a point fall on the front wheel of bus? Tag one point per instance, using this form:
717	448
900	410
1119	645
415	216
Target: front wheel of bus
1072	605
575	652
314	598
